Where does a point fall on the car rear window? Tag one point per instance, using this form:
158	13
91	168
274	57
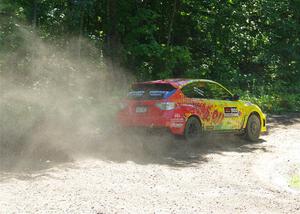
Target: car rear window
150	91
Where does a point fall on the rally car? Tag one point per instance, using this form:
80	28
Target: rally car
190	107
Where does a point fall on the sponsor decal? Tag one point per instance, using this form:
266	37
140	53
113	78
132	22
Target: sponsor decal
176	125
210	113
177	122
231	112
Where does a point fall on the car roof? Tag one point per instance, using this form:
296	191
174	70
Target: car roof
177	83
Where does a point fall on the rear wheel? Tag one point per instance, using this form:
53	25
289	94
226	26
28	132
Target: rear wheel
193	129
253	128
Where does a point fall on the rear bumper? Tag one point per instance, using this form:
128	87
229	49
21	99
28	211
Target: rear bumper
170	120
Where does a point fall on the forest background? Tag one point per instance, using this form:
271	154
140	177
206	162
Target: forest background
251	47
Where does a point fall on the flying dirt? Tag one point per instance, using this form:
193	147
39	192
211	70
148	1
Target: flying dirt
52	100
61	150
119	176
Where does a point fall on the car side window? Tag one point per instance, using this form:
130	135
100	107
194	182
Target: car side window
195	90
217	92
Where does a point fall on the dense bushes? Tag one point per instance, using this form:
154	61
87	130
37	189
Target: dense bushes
251	46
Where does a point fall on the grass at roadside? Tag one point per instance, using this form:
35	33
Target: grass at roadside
295	181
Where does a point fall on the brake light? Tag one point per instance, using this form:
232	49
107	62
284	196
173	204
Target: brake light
166	105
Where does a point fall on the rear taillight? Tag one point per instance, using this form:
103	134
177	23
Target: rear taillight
166	105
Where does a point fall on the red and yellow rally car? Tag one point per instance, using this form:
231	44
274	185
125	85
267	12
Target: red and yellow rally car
190	107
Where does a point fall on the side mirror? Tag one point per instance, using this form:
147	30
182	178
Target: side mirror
235	97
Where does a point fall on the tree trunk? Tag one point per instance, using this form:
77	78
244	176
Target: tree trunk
80	31
112	36
34	19
172	22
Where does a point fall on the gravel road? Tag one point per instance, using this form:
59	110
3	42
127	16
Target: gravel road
222	175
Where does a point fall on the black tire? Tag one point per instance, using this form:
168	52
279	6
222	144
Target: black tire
253	128
192	130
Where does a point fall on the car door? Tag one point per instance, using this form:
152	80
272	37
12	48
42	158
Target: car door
203	106
231	110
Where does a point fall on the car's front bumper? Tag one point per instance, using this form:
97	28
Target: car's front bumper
263	123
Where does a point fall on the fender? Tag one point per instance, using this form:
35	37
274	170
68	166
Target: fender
254	109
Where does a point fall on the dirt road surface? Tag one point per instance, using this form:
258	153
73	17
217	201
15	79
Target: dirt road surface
222	175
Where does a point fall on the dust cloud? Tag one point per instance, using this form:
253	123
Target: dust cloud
55	104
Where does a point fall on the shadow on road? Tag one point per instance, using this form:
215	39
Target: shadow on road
142	149
31	159
176	152
282	121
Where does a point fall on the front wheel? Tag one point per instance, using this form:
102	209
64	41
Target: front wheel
192	130
253	128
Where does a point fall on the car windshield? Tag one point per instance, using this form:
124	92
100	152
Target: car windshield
148	91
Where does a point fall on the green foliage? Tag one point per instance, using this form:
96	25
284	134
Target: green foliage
274	103
252	46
